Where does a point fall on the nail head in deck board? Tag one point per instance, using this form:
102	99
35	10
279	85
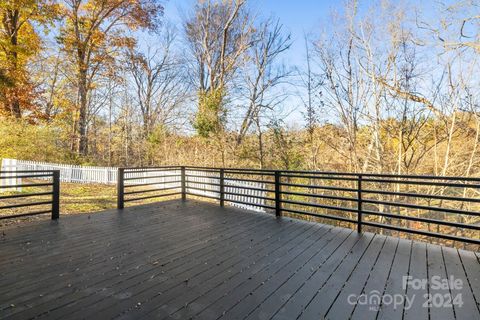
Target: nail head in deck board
98	261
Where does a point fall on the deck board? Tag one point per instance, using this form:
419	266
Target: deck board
454	268
376	281
394	285
356	280
202	302
184	260
436	268
318	306
418	270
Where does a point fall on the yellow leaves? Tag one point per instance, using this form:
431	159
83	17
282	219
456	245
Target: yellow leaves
19	43
99	25
40	11
97	37
19	139
124	42
89	6
29	41
211	115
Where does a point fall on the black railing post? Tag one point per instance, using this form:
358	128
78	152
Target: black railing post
121	188
56	195
359	204
278	200
222	187
184	191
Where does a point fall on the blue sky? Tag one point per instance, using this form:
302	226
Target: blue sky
297	17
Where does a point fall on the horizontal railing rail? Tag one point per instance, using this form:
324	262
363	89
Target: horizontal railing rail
41	201
160	182
430	206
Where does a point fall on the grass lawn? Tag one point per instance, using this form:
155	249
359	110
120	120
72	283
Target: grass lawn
86	198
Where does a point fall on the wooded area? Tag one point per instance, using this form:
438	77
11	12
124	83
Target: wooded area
384	87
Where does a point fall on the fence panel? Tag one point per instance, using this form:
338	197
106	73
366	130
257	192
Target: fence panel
68	173
10	165
240	194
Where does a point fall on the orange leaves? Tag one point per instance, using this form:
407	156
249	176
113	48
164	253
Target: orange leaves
123	41
97	26
19	44
19	97
92	35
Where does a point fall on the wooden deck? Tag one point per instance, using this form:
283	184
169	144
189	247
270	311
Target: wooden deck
182	260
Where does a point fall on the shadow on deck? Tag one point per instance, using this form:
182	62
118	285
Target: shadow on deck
181	260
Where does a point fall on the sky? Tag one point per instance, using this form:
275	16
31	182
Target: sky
298	18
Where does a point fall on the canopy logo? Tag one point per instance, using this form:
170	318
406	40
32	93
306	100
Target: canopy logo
411	286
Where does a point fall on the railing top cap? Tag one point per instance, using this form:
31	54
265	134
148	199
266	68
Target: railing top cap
28	171
312	173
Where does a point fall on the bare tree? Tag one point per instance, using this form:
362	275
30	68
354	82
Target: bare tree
344	88
218	34
263	75
157	79
309	95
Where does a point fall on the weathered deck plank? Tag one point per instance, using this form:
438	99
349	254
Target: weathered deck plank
376	282
182	260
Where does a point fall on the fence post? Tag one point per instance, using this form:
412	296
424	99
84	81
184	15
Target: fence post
184	191
359	204
120	188
278	200
222	187
56	195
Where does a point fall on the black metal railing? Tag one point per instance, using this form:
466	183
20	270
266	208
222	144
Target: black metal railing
234	186
138	184
429	206
39	189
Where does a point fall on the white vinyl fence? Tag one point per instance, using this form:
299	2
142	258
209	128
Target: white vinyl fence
108	175
9	165
161	179
202	187
68	172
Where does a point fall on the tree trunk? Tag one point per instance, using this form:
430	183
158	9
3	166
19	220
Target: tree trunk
15	101
15	107
82	119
